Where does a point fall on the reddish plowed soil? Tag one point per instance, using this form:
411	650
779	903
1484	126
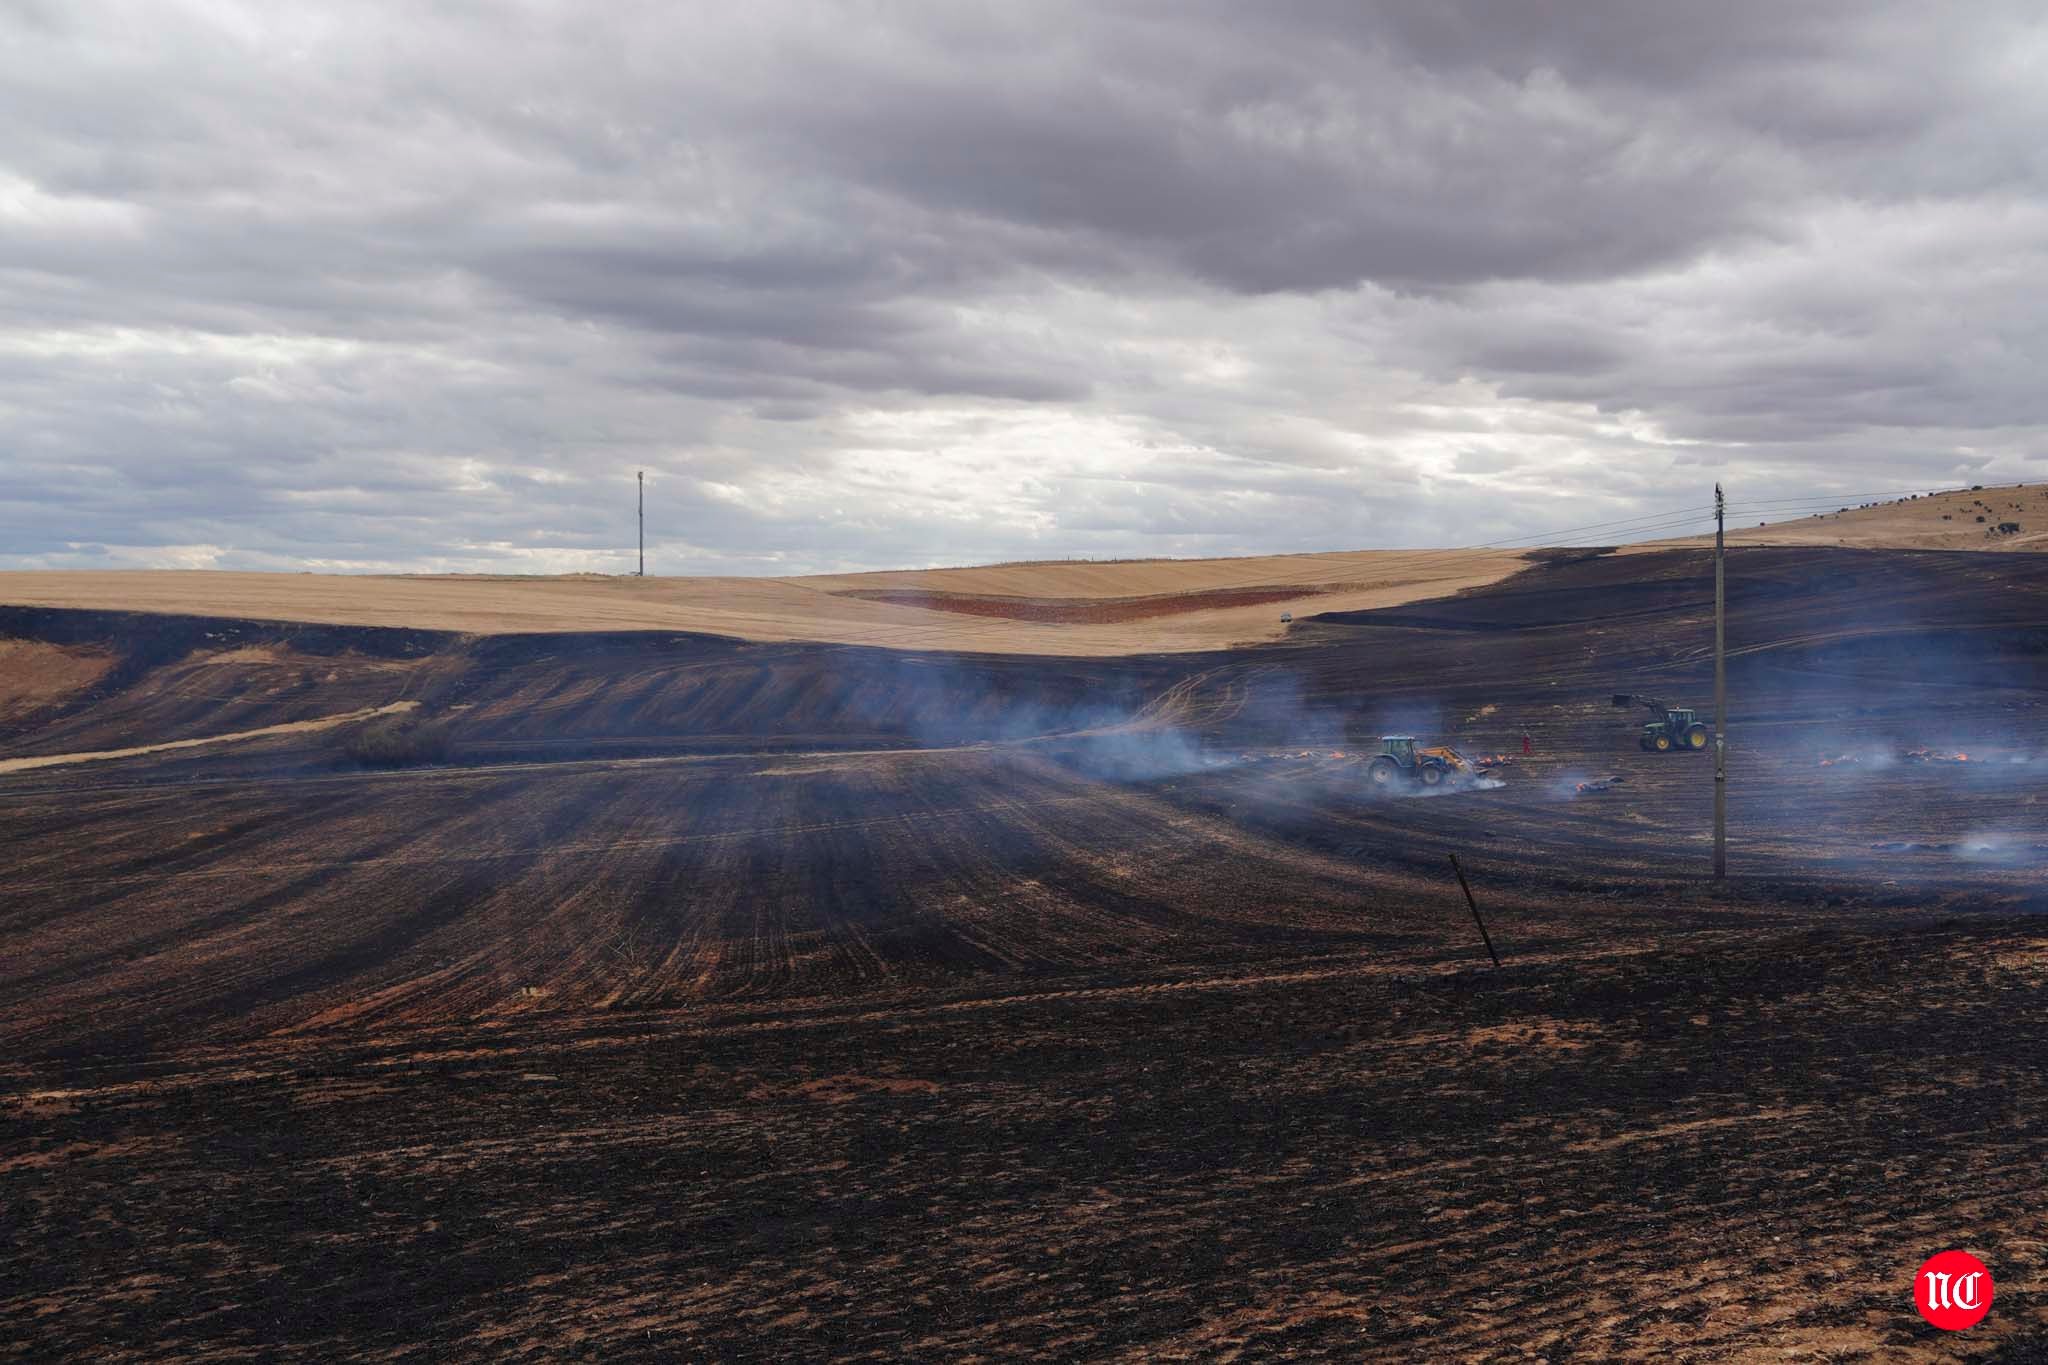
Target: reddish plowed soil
1085	611
777	1001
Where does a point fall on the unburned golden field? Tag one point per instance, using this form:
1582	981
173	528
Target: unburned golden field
1062	608
1959	519
1059	607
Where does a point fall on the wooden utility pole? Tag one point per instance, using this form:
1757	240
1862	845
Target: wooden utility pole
1720	689
643	523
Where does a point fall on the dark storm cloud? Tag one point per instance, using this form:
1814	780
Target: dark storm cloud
1272	159
876	283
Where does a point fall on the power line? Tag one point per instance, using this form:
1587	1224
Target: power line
1672	518
1686	514
1892	494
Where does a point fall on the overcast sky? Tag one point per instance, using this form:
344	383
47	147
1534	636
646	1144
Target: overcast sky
421	285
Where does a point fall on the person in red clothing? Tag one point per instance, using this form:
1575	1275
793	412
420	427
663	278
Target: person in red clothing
1528	745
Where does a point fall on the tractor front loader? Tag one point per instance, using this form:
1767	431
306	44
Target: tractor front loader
1401	760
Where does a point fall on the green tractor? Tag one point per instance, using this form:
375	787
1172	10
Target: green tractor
1400	761
1676	727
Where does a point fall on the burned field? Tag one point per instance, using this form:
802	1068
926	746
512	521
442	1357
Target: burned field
776	1000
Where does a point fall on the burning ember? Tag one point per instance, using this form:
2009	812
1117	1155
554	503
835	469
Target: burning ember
1489	761
1845	758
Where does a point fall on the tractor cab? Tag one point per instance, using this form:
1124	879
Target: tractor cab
1676	727
1678	730
1400	761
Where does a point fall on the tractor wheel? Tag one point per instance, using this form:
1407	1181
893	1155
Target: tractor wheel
1383	771
1432	774
1696	738
1662	744
1644	744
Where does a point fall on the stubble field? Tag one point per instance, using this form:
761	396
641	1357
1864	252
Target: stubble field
779	999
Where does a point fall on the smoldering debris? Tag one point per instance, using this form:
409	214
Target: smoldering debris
1571	784
1138	754
1997	847
1991	754
1476	784
1141	753
1350	766
1991	847
1860	760
1129	733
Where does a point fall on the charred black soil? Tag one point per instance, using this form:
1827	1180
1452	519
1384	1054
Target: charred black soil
775	1000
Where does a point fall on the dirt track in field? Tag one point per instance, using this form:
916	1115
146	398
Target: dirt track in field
290	727
777	1000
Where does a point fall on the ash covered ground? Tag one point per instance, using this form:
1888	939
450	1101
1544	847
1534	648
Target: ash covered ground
717	999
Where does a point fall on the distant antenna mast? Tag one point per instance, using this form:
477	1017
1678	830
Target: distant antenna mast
643	523
1720	692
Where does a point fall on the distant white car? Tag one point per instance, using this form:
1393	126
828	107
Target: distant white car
1286	617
